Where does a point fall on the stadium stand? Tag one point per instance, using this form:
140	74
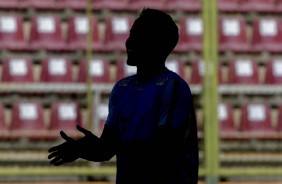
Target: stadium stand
177	66
243	71
226	119
228	5
257	5
273	72
255	118
233	35
46	33
267	35
184	5
99	71
11	33
65	116
117	31
123	70
17	70
56	70
190	38
78	27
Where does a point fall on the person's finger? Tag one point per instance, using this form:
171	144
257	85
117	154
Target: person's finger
55	148
83	130
60	162
56	159
54	154
64	136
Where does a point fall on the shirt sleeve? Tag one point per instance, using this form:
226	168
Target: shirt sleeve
176	104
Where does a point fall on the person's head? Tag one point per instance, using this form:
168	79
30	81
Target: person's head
152	38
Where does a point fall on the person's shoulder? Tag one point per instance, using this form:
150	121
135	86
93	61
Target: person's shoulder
174	77
124	81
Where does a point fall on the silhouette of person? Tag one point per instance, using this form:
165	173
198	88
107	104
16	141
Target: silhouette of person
151	125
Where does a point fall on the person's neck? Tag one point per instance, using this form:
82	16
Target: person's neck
146	73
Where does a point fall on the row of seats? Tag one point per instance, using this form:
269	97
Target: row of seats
186	5
46	33
59	70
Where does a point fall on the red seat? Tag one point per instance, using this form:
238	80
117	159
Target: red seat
190	34
267	35
101	116
11	4
140	4
72	4
65	116
99	71
233	35
198	72
278	6
255	117
257	5
17	70
225	116
176	66
124	70
228	5
11	33
243	71
185	5
56	70
28	117
273	72
117	31
77	33
46	33
38	4
111	5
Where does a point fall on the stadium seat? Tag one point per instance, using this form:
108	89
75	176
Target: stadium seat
17	70
257	5
233	35
255	117
65	116
184	5
38	4
278	6
243	71
123	70
72	4
176	66
101	114
140	4
46	33
190	34
197	72
225	116
228	5
267	35
117	31
11	33
99	71
28	117
274	72
77	32
120	5
11	4
57	70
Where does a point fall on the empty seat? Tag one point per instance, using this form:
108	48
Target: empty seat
233	35
78	28
267	35
140	4
185	5
176	66
111	5
27	117
197	73
274	72
255	117
225	116
101	116
56	70
243	71
11	4
65	116
124	70
190	34
228	5
257	5
99	71
17	70
117	31
11	33
46	33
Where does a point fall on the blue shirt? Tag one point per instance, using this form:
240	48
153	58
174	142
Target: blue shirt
137	110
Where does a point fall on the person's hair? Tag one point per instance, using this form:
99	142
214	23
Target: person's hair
159	28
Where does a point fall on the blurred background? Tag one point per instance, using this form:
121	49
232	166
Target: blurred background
47	47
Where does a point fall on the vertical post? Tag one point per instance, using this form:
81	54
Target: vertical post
88	60
210	93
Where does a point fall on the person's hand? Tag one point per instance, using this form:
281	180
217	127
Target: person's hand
67	151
